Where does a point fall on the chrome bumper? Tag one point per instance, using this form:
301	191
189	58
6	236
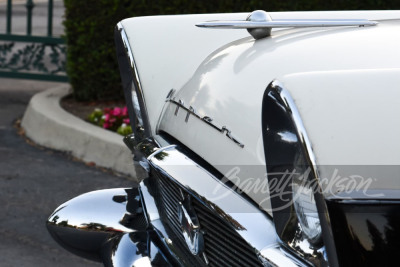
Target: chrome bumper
195	180
128	227
106	226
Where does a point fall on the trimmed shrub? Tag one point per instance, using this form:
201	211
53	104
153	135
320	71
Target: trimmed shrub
89	25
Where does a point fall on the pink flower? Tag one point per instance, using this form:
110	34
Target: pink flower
106	125
125	111
117	111
106	117
126	121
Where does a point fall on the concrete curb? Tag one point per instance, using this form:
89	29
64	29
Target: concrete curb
49	125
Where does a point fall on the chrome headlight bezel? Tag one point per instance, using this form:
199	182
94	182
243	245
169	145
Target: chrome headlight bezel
289	159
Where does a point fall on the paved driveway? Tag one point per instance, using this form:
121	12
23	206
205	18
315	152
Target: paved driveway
33	183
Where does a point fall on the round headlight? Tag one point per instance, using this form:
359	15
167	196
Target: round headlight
306	209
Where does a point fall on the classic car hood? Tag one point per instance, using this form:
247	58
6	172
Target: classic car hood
351	118
228	88
168	49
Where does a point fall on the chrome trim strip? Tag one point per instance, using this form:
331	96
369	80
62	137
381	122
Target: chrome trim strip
135	79
242	24
160	150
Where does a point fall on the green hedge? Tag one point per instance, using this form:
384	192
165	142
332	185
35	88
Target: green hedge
89	24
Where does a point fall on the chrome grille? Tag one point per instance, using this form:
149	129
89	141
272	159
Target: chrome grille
223	245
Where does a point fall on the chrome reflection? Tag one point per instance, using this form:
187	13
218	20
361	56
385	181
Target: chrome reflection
86	223
133	250
245	218
132	86
190	226
366	230
288	149
141	150
276	256
260	24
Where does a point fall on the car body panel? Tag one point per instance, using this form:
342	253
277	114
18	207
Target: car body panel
219	91
169	49
351	119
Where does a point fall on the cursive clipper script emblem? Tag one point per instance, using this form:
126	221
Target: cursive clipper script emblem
208	120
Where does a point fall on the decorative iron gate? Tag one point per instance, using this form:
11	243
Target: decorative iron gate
32	57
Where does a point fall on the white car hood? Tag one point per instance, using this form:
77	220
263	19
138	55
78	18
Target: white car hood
345	85
352	119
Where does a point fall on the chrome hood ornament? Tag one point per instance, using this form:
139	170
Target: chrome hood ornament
259	23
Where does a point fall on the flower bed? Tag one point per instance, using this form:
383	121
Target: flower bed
115	119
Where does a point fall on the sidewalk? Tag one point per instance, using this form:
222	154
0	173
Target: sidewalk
47	124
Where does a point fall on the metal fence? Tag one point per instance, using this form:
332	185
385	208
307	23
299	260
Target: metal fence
28	56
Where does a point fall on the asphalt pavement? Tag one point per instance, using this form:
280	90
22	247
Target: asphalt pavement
34	181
